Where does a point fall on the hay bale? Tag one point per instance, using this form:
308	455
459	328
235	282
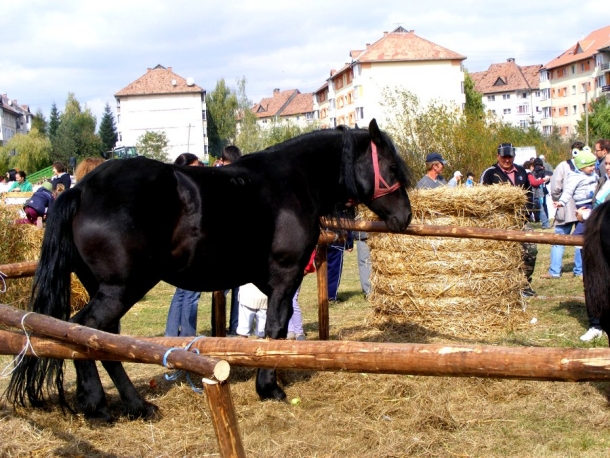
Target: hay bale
460	287
19	243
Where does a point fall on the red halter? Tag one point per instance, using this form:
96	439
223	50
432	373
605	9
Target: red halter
379	191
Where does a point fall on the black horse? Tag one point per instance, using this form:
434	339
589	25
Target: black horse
596	265
132	223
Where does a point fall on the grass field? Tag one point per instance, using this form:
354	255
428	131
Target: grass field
342	414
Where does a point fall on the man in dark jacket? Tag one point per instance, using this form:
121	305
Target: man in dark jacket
506	171
38	205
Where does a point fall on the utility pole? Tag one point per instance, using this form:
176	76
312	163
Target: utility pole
188	142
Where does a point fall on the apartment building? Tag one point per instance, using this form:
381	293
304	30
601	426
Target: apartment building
511	92
290	106
399	59
14	119
570	82
163	101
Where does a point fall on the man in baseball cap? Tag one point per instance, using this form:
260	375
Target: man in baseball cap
506	171
434	169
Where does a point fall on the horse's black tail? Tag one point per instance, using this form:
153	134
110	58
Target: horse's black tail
595	255
50	296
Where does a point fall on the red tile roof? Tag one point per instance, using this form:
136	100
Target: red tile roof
277	104
583	49
159	80
403	45
300	104
507	77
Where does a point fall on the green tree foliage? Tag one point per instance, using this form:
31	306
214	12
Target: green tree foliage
40	123
75	135
222	107
468	143
107	132
54	121
153	145
599	121
474	99
30	152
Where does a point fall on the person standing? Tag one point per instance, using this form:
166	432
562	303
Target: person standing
229	154
565	216
538	180
506	171
456	180
364	261
182	314
252	307
60	176
469	180
21	184
602	146
434	169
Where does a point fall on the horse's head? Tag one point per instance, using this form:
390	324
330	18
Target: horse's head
377	177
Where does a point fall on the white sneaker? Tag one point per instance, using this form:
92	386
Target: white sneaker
591	334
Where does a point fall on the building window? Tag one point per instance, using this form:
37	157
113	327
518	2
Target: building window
506	110
340	102
574	90
359	113
574	110
309	115
349	76
523	109
524	95
120	137
118	103
523	124
537	94
506	96
333	122
203	114
331	104
491	98
338	83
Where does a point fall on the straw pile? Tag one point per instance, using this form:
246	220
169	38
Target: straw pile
455	286
19	243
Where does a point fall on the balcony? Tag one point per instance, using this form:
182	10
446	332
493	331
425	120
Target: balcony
606	88
605	66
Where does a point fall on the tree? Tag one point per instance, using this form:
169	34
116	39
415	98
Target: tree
107	131
30	152
54	121
222	107
40	123
75	136
153	145
599	121
474	99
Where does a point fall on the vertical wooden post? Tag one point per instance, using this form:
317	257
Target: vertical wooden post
219	314
322	277
224	418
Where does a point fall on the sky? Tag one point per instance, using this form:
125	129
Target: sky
95	48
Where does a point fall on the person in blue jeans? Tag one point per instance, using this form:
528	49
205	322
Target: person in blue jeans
565	216
182	315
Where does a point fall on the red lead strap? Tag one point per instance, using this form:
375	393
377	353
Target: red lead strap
379	191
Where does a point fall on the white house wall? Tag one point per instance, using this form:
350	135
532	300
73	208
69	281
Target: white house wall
428	80
178	115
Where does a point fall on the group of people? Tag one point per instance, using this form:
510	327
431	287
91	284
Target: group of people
39	204
577	184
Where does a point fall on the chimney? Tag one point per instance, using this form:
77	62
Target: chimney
510	60
276	91
411	31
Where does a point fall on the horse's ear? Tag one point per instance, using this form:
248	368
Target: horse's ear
356	126
374	131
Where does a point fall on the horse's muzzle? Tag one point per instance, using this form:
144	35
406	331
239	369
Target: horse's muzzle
399	223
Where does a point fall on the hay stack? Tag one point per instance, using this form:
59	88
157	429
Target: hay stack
22	242
460	287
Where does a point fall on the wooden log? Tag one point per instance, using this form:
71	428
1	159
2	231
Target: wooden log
219	314
459	232
526	363
19	269
224	420
322	278
122	346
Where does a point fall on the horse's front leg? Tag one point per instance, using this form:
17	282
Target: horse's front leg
279	311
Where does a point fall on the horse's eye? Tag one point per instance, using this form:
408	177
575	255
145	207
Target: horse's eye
394	167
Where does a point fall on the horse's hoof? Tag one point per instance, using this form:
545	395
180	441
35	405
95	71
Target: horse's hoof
273	393
99	417
146	411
